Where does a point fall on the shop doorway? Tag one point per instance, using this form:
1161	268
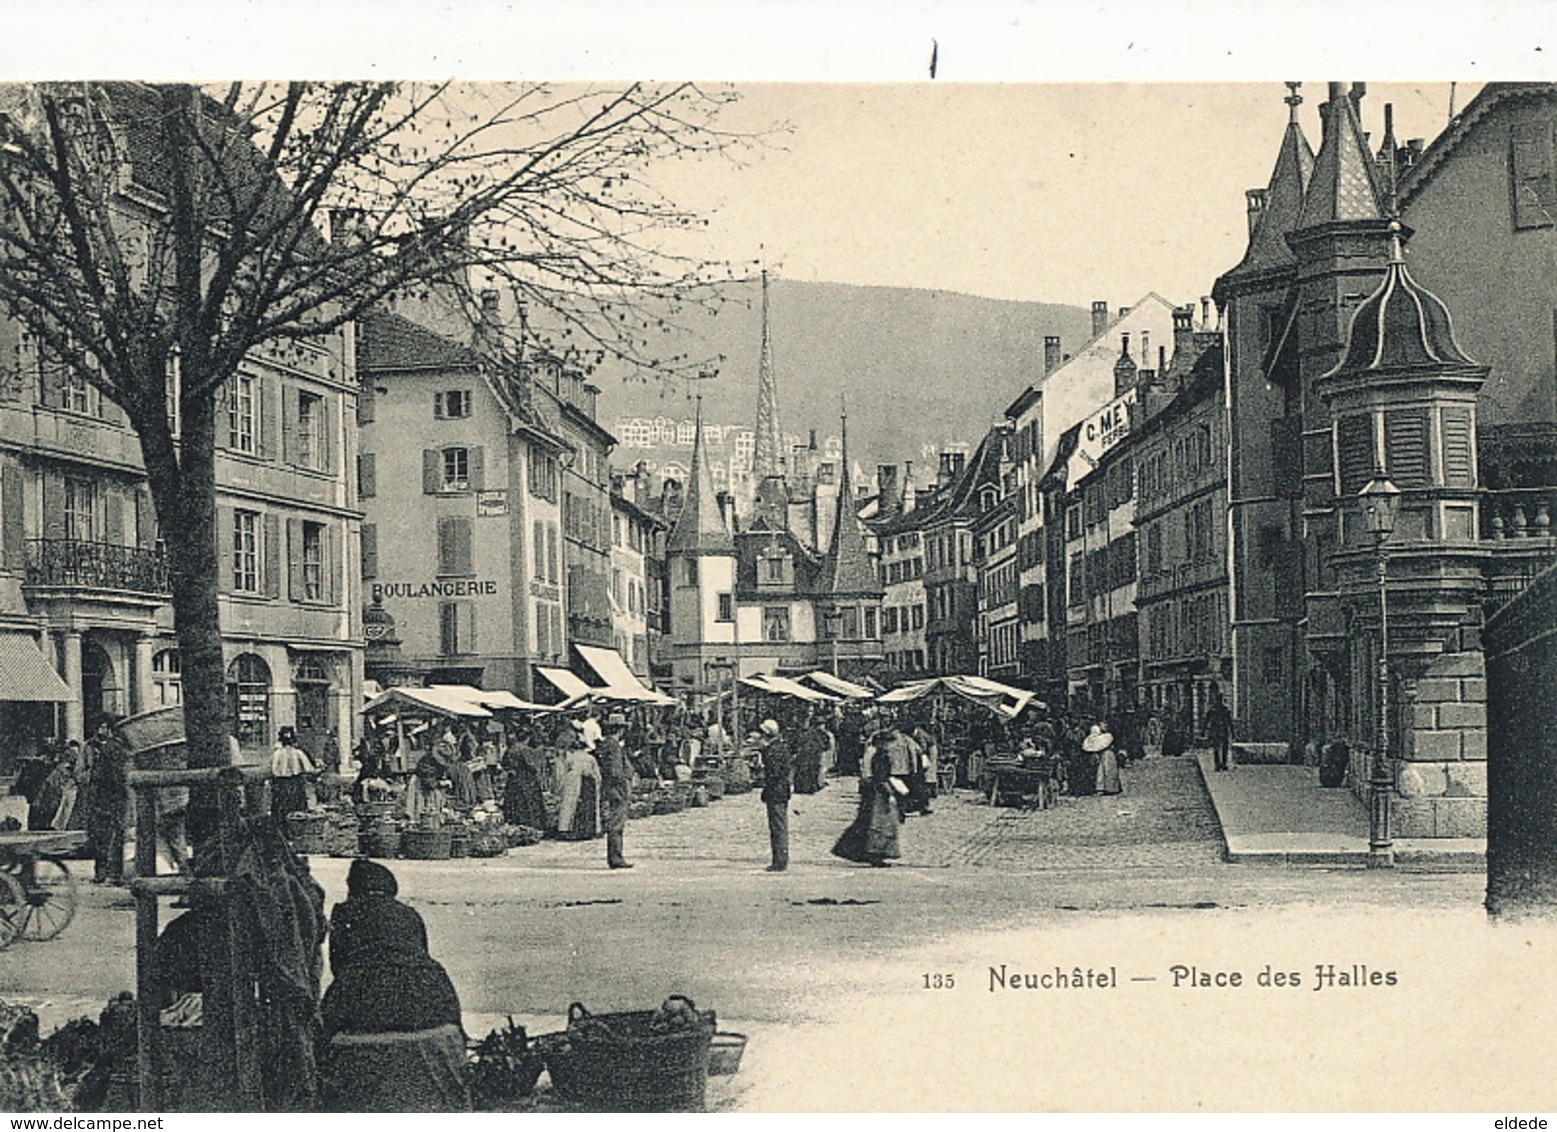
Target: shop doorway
311	679
101	691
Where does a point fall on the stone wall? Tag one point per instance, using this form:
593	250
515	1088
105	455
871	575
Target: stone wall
1442	775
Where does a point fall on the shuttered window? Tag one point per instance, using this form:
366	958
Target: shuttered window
455	555
1459	450
1354	439
1286	454
367	475
1535	195
370	550
457	628
1406	447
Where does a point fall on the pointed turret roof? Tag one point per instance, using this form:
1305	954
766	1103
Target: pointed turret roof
700	527
1289	180
847	569
1402	325
1345	183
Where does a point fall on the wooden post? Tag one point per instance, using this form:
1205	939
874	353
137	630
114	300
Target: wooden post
245	1023
148	986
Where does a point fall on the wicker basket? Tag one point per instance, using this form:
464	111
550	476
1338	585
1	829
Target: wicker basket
426	844
385	843
308	833
618	1063
724	1053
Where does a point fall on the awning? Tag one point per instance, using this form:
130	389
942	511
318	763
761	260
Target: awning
565	682
440	699
782	685
493	699
838	686
26	675
1000	698
621	683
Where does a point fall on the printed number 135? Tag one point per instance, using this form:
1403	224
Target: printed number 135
939	982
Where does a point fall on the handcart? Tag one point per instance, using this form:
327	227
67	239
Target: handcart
37	892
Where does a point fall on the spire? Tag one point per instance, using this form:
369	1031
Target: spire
847	569
1402	325
700	526
1345	184
768	453
1282	201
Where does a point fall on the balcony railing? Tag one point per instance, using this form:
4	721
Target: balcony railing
1519	513
78	564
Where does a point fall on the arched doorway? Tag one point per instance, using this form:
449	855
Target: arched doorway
311	679
100	687
248	701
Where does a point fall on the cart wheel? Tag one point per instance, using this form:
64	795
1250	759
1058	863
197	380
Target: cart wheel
13	909
50	897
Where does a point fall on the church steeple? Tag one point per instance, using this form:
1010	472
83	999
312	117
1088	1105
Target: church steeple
768	451
847	570
700	528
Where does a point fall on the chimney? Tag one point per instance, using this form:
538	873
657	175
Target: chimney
1183	332
1125	370
1162	359
1051	353
1205	311
908	485
1099	316
1257	200
889	492
1146	346
727	509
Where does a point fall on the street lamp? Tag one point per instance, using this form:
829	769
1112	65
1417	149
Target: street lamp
1380	504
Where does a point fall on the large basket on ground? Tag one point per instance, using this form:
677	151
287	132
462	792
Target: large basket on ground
308	832
625	1062
426	844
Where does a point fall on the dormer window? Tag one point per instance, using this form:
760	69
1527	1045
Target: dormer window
775	568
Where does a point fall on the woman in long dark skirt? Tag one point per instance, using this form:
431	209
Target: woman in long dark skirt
522	801
872	837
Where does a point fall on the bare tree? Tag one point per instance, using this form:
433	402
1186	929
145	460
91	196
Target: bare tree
144	223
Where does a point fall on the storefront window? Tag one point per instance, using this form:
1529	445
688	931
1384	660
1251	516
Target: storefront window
167	687
248	700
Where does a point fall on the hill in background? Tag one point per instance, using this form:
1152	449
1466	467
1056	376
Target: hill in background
921	370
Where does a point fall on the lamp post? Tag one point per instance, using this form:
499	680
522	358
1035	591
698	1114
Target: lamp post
1380	503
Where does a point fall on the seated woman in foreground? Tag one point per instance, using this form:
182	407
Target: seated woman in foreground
391	1015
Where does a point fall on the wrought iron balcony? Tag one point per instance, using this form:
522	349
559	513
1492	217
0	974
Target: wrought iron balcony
65	563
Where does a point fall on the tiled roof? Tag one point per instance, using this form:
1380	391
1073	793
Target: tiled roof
387	341
700	526
1283	204
1344	185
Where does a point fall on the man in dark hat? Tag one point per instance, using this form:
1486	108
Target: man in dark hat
616	783
778	769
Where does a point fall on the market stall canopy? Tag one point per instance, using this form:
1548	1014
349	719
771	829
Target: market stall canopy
838	686
1000	698
571	687
494	699
26	675
621	683
782	685
441	700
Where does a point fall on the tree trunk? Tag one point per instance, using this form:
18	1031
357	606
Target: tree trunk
184	490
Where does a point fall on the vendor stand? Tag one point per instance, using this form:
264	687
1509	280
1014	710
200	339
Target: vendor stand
967	740
431	778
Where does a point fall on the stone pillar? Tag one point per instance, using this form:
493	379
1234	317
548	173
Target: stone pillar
1442	774
142	698
75	709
